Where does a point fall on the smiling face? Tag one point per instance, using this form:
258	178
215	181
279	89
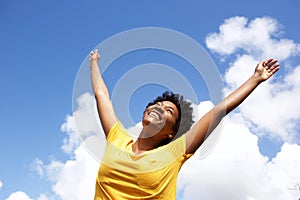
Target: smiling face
161	118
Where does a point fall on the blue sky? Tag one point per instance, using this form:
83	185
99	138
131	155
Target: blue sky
43	44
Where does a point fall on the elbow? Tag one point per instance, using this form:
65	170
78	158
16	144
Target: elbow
220	110
99	94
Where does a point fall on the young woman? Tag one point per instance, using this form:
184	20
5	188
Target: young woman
147	168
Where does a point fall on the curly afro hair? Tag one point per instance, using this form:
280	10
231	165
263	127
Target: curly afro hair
185	117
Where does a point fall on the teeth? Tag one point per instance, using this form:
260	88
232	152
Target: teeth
154	114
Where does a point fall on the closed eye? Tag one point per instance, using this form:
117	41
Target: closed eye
170	110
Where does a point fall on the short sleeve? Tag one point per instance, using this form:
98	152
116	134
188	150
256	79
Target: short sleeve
118	134
178	148
186	155
112	134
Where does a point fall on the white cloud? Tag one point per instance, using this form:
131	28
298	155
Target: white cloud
286	164
53	170
72	179
273	108
37	166
77	177
231	171
236	169
19	196
43	197
239	71
82	124
72	141
258	37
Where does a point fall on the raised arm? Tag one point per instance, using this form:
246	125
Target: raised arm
196	136
104	105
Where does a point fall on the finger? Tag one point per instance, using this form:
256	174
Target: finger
270	63
265	63
269	60
267	66
273	62
274	69
274	66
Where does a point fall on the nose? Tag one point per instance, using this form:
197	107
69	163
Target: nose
159	109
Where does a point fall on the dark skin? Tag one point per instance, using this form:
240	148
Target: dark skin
195	137
159	119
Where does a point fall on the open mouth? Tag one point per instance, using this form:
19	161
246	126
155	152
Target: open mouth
155	114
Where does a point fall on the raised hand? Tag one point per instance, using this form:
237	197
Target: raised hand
94	56
265	69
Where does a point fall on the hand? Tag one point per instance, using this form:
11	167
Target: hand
265	69
94	56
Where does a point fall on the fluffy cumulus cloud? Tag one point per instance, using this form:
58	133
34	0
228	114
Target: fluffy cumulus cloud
231	171
72	179
273	107
75	178
82	124
18	196
235	169
44	197
260	37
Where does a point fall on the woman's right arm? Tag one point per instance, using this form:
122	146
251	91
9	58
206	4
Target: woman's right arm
104	105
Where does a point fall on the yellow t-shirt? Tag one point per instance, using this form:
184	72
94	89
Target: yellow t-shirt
150	175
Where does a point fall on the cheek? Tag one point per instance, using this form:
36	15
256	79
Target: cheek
145	111
171	121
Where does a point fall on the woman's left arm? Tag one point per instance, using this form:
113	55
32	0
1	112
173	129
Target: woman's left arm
196	136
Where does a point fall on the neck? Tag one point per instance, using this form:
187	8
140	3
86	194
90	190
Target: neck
145	142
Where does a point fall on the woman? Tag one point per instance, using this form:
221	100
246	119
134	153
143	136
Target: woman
147	168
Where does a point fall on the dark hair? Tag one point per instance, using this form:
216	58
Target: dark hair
185	111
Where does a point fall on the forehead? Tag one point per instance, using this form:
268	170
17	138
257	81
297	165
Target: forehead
169	103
